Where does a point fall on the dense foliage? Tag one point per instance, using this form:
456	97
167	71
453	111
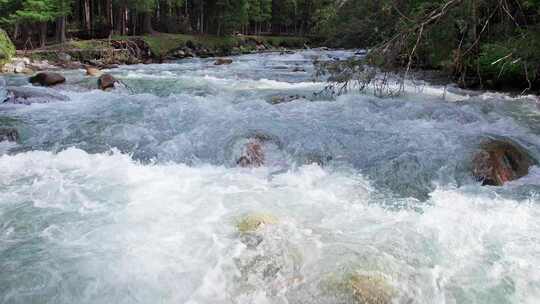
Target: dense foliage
482	43
32	21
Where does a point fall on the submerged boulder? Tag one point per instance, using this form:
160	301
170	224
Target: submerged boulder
500	161
278	99
371	289
28	95
106	81
253	222
47	79
360	287
9	134
223	61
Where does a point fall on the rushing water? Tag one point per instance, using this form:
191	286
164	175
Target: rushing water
133	195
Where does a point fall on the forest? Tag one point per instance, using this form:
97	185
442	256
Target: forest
39	20
481	43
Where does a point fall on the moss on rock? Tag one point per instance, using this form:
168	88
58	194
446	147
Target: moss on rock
7	49
360	288
253	222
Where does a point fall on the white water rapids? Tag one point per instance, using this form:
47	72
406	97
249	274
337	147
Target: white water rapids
134	195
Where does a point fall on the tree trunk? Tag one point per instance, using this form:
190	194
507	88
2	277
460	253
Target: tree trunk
147	23
87	14
109	16
61	29
42	34
16	31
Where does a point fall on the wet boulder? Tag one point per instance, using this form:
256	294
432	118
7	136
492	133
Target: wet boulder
3	90
253	222
28	95
359	287
71	65
47	79
223	61
253	154
9	134
93	71
106	81
500	161
371	289
278	99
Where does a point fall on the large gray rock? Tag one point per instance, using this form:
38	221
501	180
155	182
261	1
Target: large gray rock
28	95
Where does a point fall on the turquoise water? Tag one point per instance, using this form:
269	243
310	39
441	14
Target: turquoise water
131	196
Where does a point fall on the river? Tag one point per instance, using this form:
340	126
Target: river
135	195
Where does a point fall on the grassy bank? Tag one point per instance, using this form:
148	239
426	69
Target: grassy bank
162	44
130	49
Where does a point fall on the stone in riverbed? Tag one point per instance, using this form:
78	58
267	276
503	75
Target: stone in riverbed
93	71
360	287
500	161
47	79
253	154
106	81
27	95
9	134
253	222
3	90
284	98
223	61
371	289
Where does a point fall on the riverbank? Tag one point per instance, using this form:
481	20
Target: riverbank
147	49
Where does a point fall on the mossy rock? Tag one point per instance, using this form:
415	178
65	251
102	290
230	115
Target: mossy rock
360	288
7	49
253	222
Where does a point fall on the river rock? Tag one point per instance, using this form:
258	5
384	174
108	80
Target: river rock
179	54
41	65
106	81
109	66
72	65
47	79
359	287
223	61
284	98
16	65
253	222
3	90
500	161
28	71
298	69
93	71
9	134
28	95
371	289
63	57
253	154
